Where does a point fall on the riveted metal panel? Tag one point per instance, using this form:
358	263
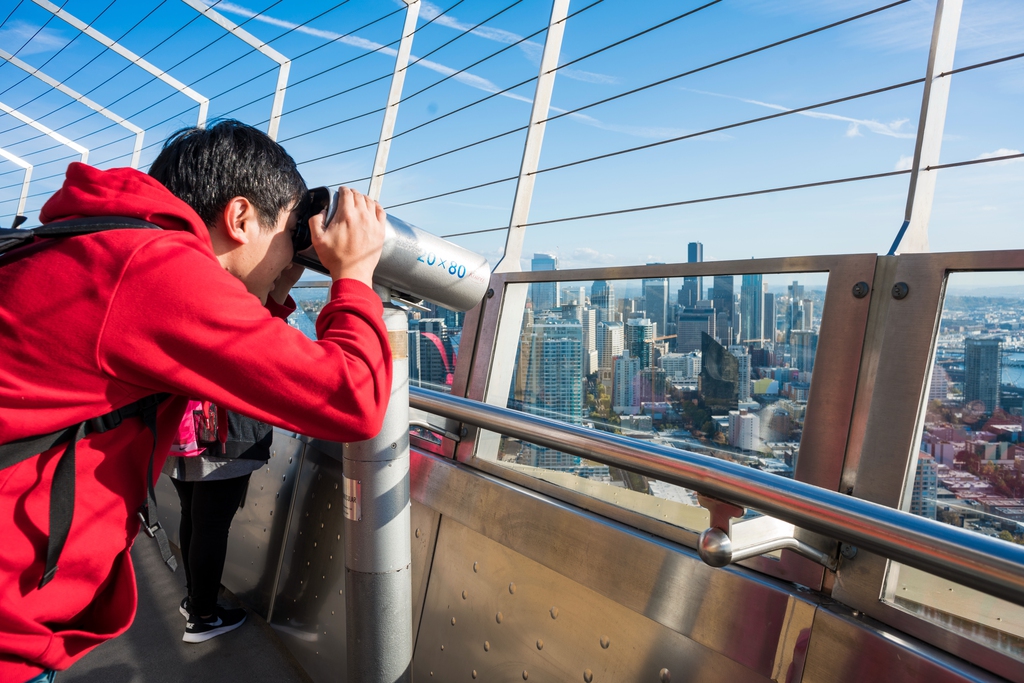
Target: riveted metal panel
258	530
730	611
309	609
493	614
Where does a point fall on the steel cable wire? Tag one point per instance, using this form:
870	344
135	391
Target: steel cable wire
148	82
522	128
738	195
263	73
99	54
456	73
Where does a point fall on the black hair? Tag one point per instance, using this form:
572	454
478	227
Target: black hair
207	167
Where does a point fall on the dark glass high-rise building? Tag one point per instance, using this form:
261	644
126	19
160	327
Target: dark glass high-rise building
692	290
719	376
723	301
768	317
982	368
602	298
656	302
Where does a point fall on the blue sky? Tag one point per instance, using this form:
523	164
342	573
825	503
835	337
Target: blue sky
975	207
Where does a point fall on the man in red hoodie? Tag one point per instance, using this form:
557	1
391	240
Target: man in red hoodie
91	323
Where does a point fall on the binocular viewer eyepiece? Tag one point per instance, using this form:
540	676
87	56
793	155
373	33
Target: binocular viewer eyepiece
414	264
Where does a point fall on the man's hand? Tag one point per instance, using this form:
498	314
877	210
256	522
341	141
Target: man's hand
286	281
350	245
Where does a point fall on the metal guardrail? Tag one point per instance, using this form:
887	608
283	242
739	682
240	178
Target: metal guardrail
989	565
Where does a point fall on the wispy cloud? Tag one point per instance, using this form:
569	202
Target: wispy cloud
905	163
1001	152
19	32
853	129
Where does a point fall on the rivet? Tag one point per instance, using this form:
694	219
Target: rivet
900	290
340	592
442	648
453	621
465	595
861	289
526	674
487	646
394	446
465	431
335	487
490	293
328	506
540	644
476	566
665	675
417	533
289	459
554	612
512	588
588	675
498	617
605	642
474	673
283	477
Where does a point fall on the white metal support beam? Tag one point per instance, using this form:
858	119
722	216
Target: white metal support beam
913	235
74	94
24	184
110	44
46	131
387	129
260	46
513	303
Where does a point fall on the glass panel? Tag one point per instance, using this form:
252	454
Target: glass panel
717	365
310	298
970	466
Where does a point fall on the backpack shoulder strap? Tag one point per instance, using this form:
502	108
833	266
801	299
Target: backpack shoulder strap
12	238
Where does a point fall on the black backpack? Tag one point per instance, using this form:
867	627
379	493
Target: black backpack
62	492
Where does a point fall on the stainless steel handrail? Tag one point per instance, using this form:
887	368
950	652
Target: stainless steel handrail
992	566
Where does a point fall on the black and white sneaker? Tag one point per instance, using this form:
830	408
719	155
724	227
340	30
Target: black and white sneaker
185	607
198	630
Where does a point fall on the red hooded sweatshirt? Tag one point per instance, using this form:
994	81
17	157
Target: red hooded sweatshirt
95	322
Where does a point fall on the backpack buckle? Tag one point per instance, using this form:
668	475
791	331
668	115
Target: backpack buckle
104	423
150	530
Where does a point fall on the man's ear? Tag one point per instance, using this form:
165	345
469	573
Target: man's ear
238	219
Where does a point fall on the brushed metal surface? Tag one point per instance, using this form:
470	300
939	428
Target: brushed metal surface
731	611
258	530
848	649
309	609
493	614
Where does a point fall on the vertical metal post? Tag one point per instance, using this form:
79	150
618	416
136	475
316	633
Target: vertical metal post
378	509
913	235
387	129
252	41
514	301
24	183
378	556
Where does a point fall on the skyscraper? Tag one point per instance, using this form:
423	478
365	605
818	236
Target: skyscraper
982	369
627	369
751	317
609	343
656	301
742	371
719	376
589	322
768	318
691	323
545	295
804	345
639	340
794	318
724	324
693	287
602	298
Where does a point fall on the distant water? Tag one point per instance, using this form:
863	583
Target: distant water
1013	369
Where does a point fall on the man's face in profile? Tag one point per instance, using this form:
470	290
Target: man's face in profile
268	253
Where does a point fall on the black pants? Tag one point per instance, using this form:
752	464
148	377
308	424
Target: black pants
207	508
